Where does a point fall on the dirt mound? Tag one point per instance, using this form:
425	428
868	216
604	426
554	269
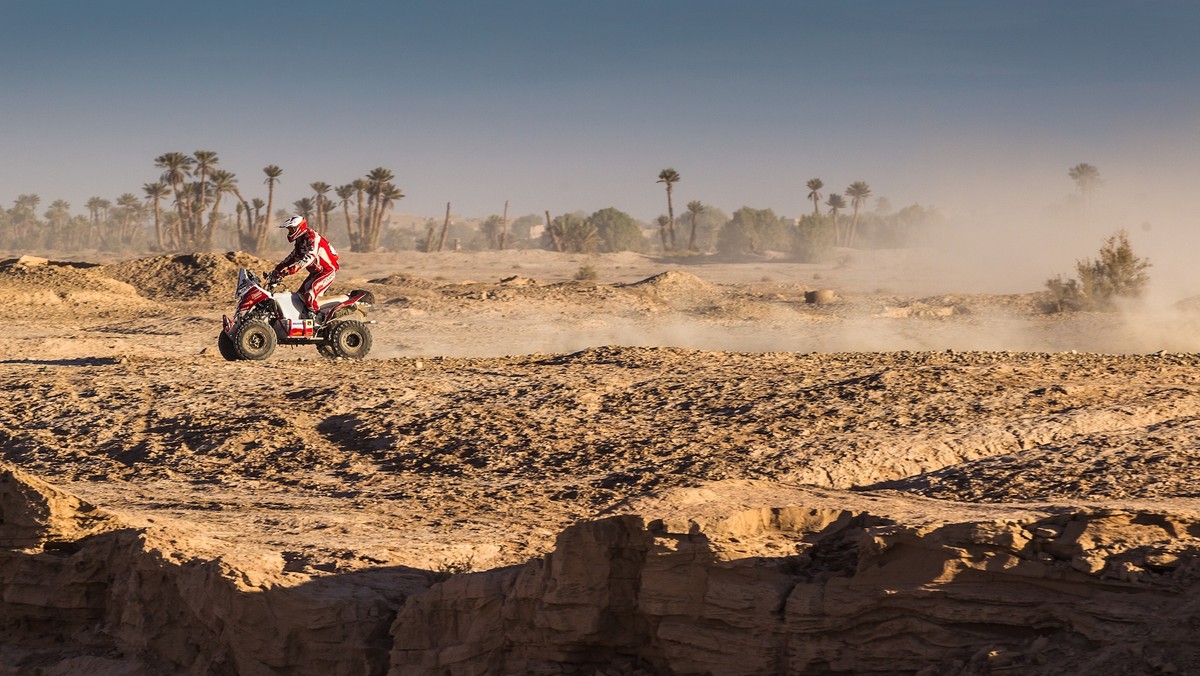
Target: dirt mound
518	280
196	276
56	286
36	512
676	289
673	283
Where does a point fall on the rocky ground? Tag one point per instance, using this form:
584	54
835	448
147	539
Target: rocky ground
898	478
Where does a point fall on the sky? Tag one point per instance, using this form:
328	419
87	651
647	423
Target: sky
976	107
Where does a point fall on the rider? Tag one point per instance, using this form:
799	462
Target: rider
310	251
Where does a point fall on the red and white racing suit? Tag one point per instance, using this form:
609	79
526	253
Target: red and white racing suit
315	253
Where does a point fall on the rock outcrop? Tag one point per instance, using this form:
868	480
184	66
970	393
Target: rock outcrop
706	582
847	592
80	589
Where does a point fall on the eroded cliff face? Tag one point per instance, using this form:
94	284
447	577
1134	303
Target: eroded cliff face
1109	590
736	578
81	591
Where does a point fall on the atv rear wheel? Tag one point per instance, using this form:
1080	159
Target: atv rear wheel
350	340
326	351
225	345
254	339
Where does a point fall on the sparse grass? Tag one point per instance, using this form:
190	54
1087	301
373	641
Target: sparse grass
448	568
586	273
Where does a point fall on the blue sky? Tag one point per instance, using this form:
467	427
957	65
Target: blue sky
573	105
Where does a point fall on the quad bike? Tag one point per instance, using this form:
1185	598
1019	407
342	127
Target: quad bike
266	318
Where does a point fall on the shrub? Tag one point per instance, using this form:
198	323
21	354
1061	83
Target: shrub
449	568
1062	295
586	273
813	239
1116	274
753	231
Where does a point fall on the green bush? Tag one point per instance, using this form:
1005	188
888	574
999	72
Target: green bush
813	239
753	231
1116	274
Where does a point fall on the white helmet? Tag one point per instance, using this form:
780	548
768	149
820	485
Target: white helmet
293	222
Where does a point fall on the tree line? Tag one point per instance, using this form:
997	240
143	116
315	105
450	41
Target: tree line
196	204
186	209
197	186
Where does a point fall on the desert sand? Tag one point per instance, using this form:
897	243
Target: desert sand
681	466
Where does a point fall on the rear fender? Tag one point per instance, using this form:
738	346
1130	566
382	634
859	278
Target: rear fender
357	298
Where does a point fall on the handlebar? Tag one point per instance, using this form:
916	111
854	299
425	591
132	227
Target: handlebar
268	283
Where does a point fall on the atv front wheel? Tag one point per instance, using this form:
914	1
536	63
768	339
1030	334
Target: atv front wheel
254	339
350	340
225	345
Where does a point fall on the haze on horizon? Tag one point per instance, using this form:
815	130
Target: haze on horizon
978	109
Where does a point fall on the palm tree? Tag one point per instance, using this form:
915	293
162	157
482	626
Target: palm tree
695	208
96	206
360	187
205	161
245	238
384	197
305	207
258	205
93	207
155	192
188	192
58	214
814	186
663	223
24	215
670	177
128	220
177	167
344	193
836	203
320	189
222	182
260	230
376	179
858	192
390	195
1087	178
27	203
378	186
577	234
